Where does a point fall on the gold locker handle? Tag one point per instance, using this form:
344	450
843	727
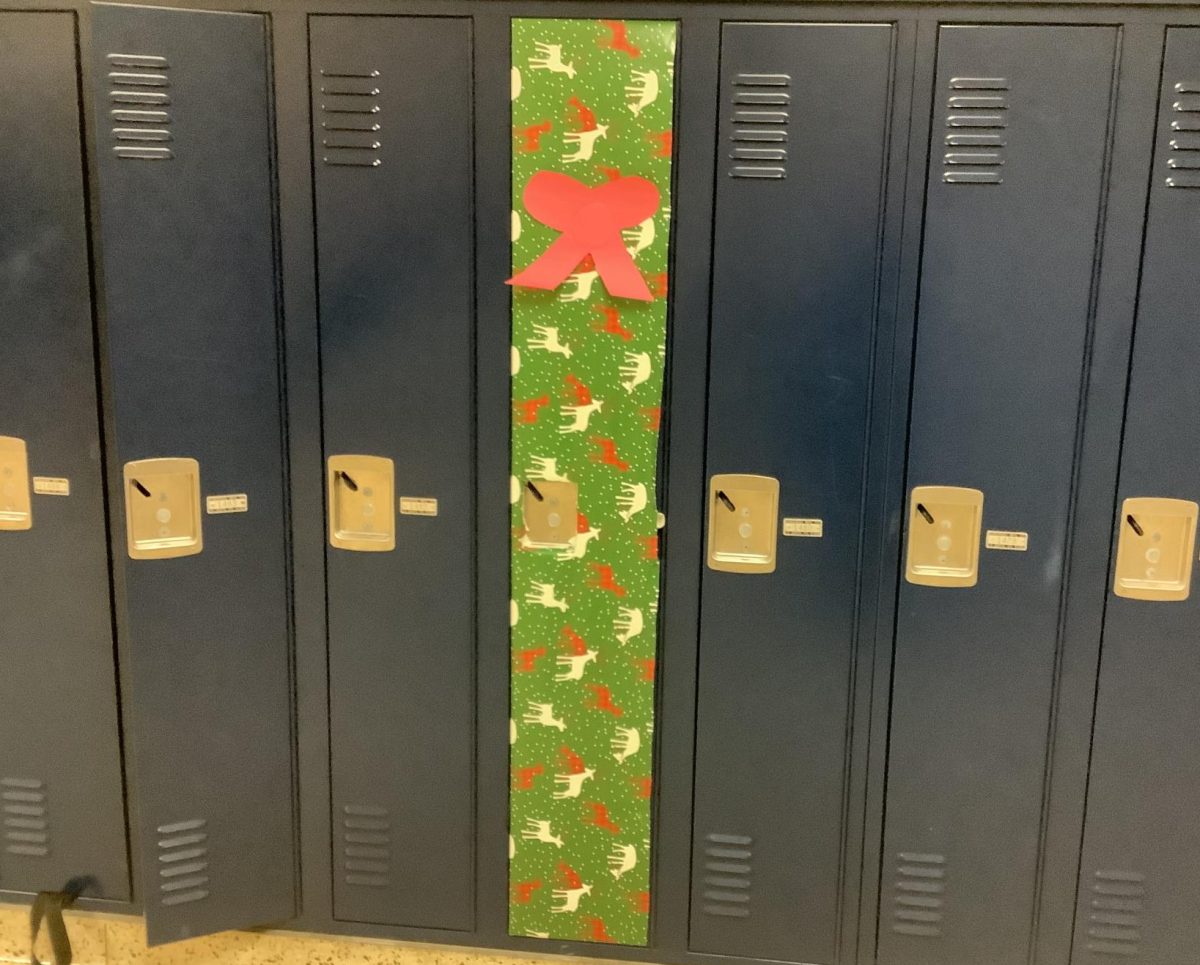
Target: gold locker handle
743	523
162	508
16	509
944	525
1155	549
362	503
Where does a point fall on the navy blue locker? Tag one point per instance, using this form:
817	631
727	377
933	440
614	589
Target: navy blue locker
184	152
1014	190
61	793
1138	888
392	158
801	171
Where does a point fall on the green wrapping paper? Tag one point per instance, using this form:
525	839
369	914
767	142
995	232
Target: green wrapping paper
591	99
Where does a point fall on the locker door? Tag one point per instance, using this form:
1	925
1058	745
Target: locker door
1013	192
392	157
184	153
798	227
1138	889
61	792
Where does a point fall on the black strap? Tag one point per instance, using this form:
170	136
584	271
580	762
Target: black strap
48	906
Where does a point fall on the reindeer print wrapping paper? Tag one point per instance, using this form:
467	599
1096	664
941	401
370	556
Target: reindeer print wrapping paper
591	99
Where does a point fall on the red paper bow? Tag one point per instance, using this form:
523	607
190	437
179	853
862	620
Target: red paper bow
590	220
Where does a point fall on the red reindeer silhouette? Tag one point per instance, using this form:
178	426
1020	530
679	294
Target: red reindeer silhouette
608	454
604	579
595	930
612	322
571	761
525	661
619	38
647	664
525	411
653	416
522	777
571	641
663	142
581	523
649	547
600	817
523	891
577	390
640	901
569	877
642	786
584	117
658	285
602	700
531	137
610	174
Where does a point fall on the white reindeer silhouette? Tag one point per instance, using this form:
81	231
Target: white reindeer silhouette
628	624
512	847
575	664
514	361
543	714
543	595
569	898
583	282
549	57
530	933
626	743
545	468
623	858
639	237
514	613
584	143
540	831
578	545
514	83
515	227
635	371
512	731
642	90
578	416
545	337
632	500
571	784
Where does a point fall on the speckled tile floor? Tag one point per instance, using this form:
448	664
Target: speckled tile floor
112	940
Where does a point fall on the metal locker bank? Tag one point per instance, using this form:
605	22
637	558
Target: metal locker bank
672	482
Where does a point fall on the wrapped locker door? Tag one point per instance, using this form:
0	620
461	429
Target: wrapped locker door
801	175
1138	889
392	160
183	112
1014	194
61	790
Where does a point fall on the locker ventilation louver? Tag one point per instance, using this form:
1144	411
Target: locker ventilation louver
366	846
760	119
350	121
728	870
919	887
1114	921
976	122
26	829
1183	156
139	106
182	854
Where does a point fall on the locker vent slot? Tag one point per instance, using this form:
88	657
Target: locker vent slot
139	98
1114	919
350	121
181	858
976	119
728	870
1183	139
761	110
26	828
919	887
366	846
